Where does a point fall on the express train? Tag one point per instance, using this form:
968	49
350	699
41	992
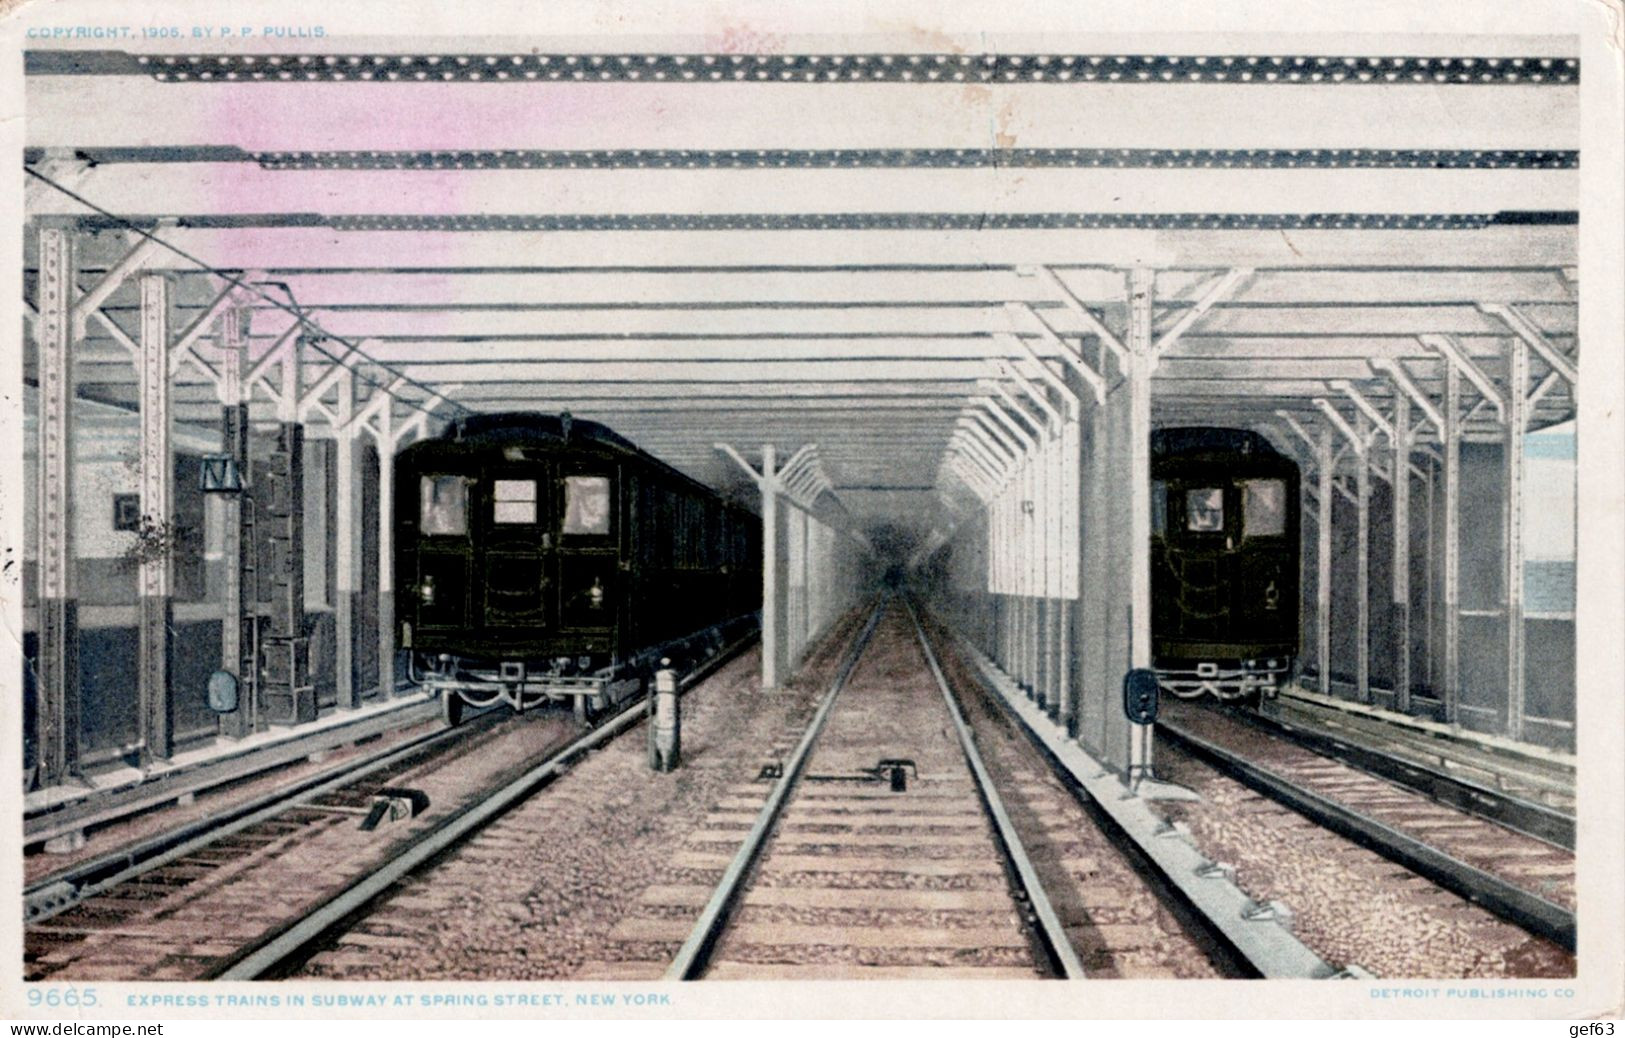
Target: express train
538	558
1224	563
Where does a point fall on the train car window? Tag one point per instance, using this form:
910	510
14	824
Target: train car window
586	505
1263	508
1159	507
1204	510
443	507
513	501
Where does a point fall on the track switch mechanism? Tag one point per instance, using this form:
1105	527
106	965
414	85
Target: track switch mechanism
390	805
893	770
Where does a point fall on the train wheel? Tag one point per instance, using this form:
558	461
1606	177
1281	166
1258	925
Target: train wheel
451	708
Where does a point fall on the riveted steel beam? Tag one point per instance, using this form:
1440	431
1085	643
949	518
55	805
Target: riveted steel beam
238	644
1223	289
1513	534
1093	323
127	266
1323	562
346	545
1451	435
1400	624
1451	350
384	438
1534	339
1054	420
56	715
1140	363
159	537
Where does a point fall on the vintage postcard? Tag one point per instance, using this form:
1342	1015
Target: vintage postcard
623	510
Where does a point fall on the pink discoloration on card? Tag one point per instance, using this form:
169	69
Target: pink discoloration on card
745	39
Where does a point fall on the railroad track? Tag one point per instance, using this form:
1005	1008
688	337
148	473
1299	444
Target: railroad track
1521	878
335	787
251	895
883	848
1527	793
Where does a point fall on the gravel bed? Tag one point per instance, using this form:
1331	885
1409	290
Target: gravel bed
537	893
1481	843
1350	905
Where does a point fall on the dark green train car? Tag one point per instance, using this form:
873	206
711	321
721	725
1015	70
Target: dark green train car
539	557
1224	563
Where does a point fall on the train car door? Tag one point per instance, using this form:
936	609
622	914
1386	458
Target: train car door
589	578
516	564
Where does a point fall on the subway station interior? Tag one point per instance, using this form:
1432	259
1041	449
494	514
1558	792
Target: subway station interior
1050	357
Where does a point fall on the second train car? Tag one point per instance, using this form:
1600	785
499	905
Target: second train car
1224	563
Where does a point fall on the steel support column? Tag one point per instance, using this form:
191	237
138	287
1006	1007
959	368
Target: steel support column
239	599
1451	434
346	546
1362	572
289	697
1400	623
1137	428
1517	417
771	633
796	579
158	535
386	550
56	692
1323	564
1094	578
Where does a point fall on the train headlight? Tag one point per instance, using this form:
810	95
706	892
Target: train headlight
595	594
426	591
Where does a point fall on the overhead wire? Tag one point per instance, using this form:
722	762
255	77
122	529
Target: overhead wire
319	334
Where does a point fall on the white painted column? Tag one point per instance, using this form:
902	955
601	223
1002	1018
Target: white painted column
1141	362
1401	622
346	546
771	608
1517	420
57	688
158	531
1452	543
386	550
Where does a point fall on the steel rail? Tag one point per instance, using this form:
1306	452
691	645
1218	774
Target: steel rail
270	956
1050	932
1539	821
1512	903
63	890
696	949
98	809
1254	932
